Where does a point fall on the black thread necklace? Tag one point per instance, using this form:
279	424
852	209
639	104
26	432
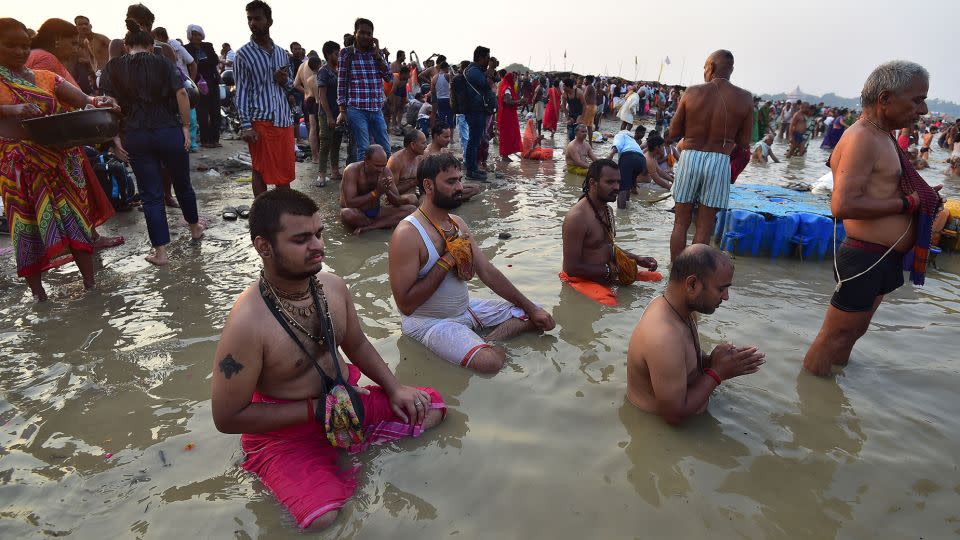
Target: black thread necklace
692	327
319	340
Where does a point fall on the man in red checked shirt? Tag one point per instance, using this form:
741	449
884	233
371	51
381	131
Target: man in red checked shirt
361	72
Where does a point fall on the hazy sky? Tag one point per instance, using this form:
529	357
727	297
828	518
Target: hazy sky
820	45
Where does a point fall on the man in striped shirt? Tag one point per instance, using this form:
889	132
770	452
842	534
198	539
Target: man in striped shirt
361	72
264	80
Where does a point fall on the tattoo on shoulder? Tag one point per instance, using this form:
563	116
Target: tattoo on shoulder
230	367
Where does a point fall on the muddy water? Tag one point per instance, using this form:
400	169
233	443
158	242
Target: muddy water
545	449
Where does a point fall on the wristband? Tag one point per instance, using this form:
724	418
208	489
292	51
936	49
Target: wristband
906	205
912	204
713	375
310	411
443	265
374	195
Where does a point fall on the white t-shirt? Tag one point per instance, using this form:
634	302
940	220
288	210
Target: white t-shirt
624	142
764	149
183	57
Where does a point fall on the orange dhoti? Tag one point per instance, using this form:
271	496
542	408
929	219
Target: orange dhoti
273	154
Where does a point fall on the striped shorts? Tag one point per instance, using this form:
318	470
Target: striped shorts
702	177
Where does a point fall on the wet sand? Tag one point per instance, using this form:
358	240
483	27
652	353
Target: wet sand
548	448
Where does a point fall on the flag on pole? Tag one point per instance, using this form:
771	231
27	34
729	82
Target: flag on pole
667	61
635	60
564	53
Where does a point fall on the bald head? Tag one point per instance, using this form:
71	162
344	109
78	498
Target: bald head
718	65
698	260
374	152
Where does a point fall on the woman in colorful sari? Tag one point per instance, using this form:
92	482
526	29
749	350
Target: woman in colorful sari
508	121
56	45
44	190
552	113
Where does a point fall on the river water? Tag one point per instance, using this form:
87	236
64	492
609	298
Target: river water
105	426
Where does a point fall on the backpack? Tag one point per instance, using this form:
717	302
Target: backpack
114	178
458	94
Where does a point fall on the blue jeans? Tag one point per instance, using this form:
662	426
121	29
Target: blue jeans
363	124
444	113
476	123
153	152
463	130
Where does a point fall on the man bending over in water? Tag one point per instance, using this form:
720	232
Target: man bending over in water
590	256
432	256
364	183
578	154
886	208
274	361
667	373
763	151
713	119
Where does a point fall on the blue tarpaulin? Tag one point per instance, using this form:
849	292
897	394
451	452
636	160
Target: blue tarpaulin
777	201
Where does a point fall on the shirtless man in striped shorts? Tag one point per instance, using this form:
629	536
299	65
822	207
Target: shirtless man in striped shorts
713	119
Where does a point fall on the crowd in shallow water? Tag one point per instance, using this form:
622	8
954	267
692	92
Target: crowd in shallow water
703	137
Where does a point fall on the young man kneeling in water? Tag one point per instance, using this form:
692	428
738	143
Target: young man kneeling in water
267	380
667	373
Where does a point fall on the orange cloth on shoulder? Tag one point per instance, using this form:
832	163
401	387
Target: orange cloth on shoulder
591	289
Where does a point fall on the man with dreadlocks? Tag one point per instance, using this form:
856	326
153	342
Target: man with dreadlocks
591	259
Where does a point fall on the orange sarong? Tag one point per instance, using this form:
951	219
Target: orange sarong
591	289
272	155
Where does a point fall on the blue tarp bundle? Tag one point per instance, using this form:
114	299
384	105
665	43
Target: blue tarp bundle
777	201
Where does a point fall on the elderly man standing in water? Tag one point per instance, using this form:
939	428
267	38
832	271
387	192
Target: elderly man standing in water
886	208
277	364
713	119
667	373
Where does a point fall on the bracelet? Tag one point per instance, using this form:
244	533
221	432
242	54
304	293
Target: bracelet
913	204
606	275
374	195
713	374
443	265
906	204
310	411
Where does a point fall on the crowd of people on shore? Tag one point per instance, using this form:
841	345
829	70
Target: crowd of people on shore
267	375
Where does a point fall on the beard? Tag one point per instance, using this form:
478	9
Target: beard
283	269
447	203
700	305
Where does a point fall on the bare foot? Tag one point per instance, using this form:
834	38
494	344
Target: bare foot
40	296
196	233
89	285
103	242
506	159
157	259
171	202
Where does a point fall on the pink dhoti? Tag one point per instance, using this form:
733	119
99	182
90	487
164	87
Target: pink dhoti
299	465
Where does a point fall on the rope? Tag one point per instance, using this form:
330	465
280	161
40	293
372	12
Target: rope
872	266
